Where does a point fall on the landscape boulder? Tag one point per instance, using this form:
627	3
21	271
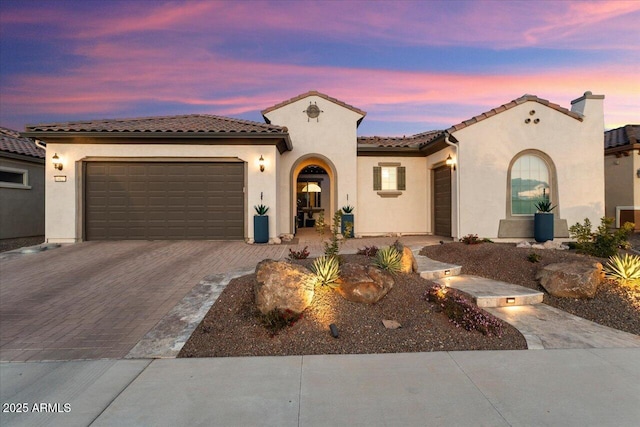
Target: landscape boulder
365	284
283	286
571	279
409	263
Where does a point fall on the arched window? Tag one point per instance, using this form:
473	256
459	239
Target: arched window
530	183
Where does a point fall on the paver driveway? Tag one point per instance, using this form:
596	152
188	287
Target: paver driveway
98	299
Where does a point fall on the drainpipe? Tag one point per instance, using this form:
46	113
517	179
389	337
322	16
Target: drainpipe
40	144
457	148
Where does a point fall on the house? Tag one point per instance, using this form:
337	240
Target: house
622	174
21	186
200	176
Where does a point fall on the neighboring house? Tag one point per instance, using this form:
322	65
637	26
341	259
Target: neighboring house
199	176
622	174
21	186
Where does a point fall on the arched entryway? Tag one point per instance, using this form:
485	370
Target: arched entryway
313	190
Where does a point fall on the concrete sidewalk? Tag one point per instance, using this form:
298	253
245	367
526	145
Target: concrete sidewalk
577	387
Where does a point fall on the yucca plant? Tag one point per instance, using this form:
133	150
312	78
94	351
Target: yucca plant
327	270
624	270
544	206
261	209
389	259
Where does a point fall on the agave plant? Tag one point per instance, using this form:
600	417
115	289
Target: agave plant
261	209
389	259
327	270
624	270
347	209
544	206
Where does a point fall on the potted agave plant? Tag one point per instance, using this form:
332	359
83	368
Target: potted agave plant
543	221
347	221
261	224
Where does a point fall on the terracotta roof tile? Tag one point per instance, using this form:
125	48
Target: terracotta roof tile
415	141
509	105
313	93
625	135
12	142
192	123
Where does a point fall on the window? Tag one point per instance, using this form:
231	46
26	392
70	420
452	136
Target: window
530	183
389	179
14	178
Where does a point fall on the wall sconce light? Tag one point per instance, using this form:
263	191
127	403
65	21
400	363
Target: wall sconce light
261	163
450	162
57	164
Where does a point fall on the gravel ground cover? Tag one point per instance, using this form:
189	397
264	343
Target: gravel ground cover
614	306
20	242
231	327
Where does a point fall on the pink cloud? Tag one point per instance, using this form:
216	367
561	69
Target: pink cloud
501	25
118	79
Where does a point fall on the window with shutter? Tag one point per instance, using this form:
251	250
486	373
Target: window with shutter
389	179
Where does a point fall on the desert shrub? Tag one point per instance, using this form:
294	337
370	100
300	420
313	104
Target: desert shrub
302	254
326	269
463	313
332	247
625	270
389	259
604	242
368	251
471	239
277	319
534	257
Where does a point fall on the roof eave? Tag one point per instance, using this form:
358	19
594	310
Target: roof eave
621	150
364	150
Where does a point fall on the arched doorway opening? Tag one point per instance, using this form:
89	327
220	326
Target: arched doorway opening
313	191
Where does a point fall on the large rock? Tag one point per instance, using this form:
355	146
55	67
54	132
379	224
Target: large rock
571	279
366	284
409	263
283	286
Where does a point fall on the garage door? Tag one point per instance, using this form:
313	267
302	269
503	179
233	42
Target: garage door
157	201
442	201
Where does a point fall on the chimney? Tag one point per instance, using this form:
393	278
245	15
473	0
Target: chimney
589	105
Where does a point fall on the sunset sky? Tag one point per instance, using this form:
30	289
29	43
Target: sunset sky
412	66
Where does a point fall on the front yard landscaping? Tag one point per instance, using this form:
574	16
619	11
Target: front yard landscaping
233	326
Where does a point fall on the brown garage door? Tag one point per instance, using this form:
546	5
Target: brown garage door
168	200
442	201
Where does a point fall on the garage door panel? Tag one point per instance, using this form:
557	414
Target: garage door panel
175	200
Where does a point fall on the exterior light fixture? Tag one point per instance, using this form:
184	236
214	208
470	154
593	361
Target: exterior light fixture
57	164
511	300
447	272
450	162
261	163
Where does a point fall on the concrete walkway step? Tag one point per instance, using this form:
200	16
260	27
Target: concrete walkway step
431	270
546	327
492	293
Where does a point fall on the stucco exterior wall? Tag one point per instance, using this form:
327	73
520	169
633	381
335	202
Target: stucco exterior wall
63	210
408	213
620	182
487	148
22	209
332	137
